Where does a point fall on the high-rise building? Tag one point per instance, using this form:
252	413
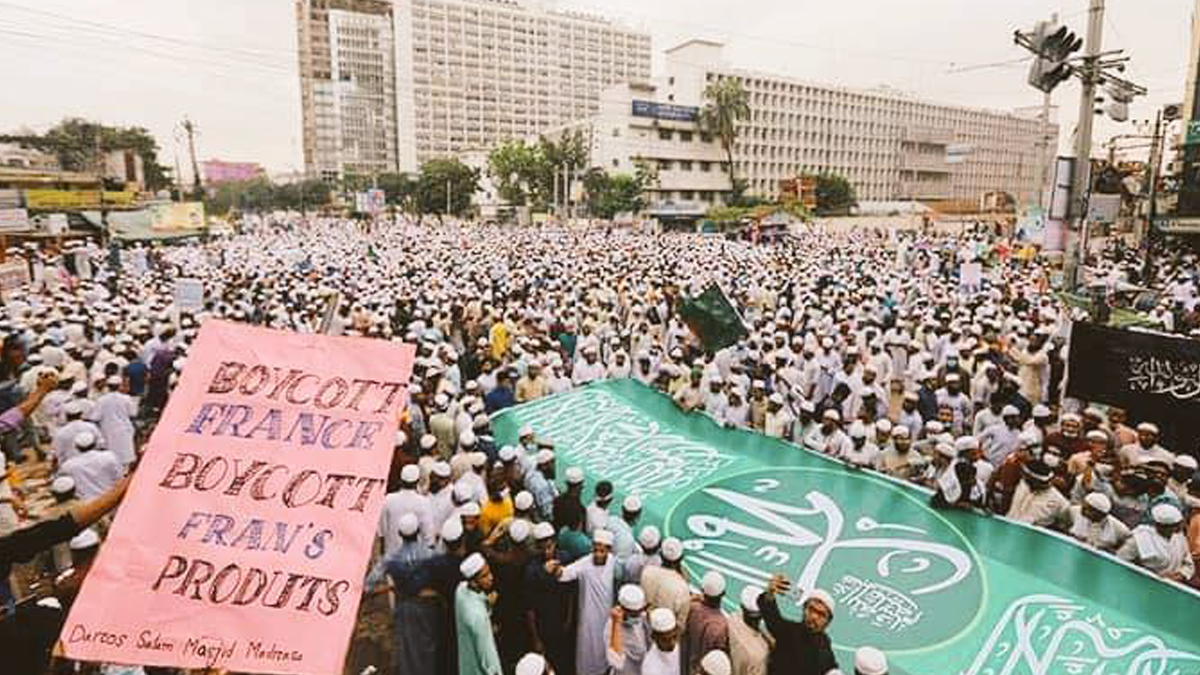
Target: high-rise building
347	86
473	72
888	145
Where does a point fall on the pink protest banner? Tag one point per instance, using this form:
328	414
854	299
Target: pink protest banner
244	538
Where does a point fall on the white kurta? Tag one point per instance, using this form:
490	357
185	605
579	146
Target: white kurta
1148	548
1107	535
94	472
596	596
114	413
396	505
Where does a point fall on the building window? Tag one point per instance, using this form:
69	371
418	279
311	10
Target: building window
685	165
705	137
664	164
706	166
664	134
616	132
685	136
616	162
686	195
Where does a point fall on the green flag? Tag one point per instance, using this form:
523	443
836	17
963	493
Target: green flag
713	318
939	591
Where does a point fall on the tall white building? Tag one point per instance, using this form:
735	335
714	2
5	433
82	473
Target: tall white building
473	72
890	146
347	86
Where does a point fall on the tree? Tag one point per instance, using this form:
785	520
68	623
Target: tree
835	194
400	189
570	151
727	104
75	141
609	195
446	182
260	194
518	172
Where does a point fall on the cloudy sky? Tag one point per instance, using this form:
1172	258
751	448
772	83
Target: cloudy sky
230	65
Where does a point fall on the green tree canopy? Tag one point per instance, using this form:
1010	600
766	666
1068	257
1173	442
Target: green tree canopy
835	194
74	141
727	104
446	182
518	171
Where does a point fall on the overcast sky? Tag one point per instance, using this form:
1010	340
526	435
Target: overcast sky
231	64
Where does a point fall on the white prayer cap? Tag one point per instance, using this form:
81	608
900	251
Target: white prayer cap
750	595
662	620
1040	410
649	537
1097	435
463	492
409	523
946	450
632	598
1010	411
758	384
1148	427
574	475
857	430
401	438
62	485
883	426
966	443
1071	417
526	430
911	396
933	427
1098	501
441	400
713	584
519	529
808	407
508	453
114	381
543	531
1166	514
441	469
601	536
452	529
523	501
822	597
428	441
1185	461
473	565
85	540
470	509
74	408
532	663
632	504
411	473
832	414
544	457
85	439
870	661
672	549
478	459
716	662
467	439
900	431
776	398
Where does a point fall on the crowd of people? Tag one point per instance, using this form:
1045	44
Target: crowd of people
865	346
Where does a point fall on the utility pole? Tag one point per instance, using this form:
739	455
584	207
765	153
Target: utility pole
1152	210
447	197
1083	146
190	128
1043	196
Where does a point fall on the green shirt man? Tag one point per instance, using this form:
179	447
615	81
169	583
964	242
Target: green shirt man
477	653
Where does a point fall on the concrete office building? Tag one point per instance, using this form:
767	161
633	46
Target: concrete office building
890	146
347	86
473	72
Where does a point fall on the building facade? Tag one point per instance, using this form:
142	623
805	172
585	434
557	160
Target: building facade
888	145
347	86
471	73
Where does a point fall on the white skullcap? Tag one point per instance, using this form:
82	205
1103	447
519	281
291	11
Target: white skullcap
822	597
463	491
1097	435
1098	501
531	664
470	509
1041	410
526	430
401	439
713	584
85	540
716	662
1166	514
428	441
1185	461
409	524
946	450
543	531
508	453
62	485
870	661
478	459
544	457
452	529
85	439
601	536
632	504
662	620
632	598
523	500
473	565
883	426
574	475
1148	427
966	443
649	537
750	595
74	408
441	469
114	381
900	431
832	414
776	398
411	473
858	429
467	439
441	400
519	529
672	549
1009	410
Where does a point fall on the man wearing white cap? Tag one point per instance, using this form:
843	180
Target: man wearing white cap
801	647
63	442
778	420
477	653
442	427
645	553
706	628
405	500
1146	448
114	411
1001	439
95	471
749	644
665	585
1093	524
540	483
622	528
829	438
533	664
628	632
548	602
870	661
596	576
1181	474
715	662
419	620
1161	547
1036	501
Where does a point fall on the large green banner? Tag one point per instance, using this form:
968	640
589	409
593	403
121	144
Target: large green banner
941	592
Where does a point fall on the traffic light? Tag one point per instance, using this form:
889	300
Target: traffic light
1121	96
1052	46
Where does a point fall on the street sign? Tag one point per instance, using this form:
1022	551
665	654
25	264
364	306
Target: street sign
1174	225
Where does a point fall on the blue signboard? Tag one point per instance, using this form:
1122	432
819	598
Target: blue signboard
665	111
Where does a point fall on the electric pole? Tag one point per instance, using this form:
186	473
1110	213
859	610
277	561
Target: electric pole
190	128
1152	207
1083	147
1043	196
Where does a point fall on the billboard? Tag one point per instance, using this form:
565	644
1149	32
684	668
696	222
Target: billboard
12	220
370	201
216	171
665	111
60	200
176	215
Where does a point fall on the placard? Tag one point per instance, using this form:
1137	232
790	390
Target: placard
189	295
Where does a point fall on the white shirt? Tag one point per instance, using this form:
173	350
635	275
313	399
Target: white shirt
95	472
1107	535
396	505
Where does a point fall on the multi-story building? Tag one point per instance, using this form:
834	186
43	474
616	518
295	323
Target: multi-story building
347	86
473	72
889	145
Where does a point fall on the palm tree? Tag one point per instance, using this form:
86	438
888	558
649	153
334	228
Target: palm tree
727	104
